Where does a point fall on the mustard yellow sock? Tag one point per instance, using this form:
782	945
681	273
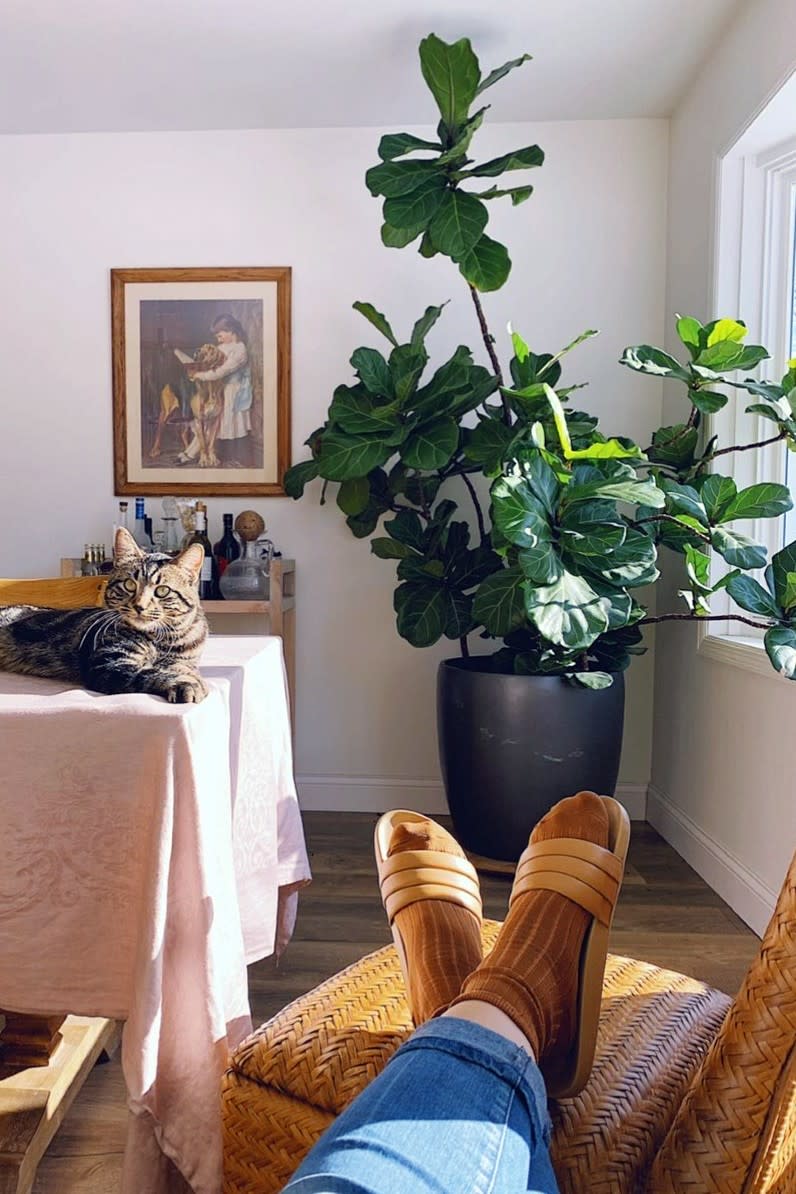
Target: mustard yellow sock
532	973
442	941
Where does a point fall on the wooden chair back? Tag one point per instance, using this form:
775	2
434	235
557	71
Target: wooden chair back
74	592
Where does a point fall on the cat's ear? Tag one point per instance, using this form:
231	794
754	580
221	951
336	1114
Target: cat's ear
191	559
125	549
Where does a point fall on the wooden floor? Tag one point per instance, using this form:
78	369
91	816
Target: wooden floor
666	915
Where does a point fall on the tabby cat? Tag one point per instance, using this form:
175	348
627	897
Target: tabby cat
146	638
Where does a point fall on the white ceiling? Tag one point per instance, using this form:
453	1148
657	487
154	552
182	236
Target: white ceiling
112	65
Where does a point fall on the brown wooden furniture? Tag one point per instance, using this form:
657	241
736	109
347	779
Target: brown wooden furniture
690	1093
280	608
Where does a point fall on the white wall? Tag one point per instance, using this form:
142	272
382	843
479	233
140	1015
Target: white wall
723	789
588	251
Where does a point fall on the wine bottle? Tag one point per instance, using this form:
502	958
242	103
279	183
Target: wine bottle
208	580
139	526
227	549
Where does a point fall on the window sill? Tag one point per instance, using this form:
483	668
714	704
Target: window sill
749	654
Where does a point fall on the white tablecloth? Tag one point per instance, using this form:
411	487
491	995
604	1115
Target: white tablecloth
144	849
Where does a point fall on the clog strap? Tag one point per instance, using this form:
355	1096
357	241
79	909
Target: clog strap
413	875
585	873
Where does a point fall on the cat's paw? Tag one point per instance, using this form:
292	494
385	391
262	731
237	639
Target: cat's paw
189	690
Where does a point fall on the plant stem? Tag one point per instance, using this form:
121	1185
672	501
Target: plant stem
705	618
465	650
477	504
762	443
489	342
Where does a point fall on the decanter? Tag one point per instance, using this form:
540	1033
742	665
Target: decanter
247	578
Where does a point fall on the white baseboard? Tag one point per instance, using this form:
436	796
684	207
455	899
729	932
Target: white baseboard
376	794
747	895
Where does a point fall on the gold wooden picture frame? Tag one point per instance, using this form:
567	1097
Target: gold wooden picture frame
201	380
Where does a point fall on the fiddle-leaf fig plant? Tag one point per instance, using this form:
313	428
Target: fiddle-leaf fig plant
556	564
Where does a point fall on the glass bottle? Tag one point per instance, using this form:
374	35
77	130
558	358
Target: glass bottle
121	519
227	549
247	579
88	565
139	526
208	580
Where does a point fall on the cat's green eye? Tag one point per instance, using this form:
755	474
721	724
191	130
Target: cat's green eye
162	591
130	586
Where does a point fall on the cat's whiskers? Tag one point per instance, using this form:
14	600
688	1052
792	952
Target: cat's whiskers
94	624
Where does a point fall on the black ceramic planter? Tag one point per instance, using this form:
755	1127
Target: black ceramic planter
511	746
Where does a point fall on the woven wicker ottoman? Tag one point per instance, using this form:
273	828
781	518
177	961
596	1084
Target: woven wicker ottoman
289	1080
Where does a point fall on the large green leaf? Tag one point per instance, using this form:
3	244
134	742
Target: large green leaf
501	71
399	238
343	456
646	359
471	567
780	644
395	145
594	539
684	499
783	577
458	224
724	329
374	372
418	208
517	512
643	493
541	564
432	445
421	613
688	330
499	603
424	325
487	264
407	363
488	444
353	496
452	74
389	549
356	413
518	194
750	595
568	612
394	179
518	159
717	494
675	446
449	379
297	477
738	550
377	319
632	563
407	528
759	501
543	482
707	401
466	132
459	619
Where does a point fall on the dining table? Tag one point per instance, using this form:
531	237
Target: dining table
150	852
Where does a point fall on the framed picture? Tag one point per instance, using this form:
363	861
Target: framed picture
201	380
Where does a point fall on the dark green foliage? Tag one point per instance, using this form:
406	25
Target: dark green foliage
557	565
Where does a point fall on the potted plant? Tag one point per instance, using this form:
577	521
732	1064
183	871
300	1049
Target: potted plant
551	561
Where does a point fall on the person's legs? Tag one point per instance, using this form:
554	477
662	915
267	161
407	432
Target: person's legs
459	1109
462	1105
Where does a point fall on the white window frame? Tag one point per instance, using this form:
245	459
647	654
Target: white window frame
753	279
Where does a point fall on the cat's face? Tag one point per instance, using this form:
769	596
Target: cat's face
150	590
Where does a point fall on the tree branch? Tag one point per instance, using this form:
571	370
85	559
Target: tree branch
761	443
704	618
477	504
489	342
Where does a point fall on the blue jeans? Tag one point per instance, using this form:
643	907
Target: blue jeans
458	1110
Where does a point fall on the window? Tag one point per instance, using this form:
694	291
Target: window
755	278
